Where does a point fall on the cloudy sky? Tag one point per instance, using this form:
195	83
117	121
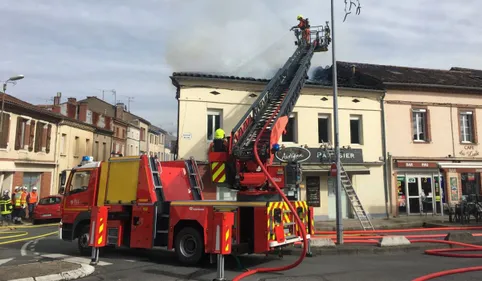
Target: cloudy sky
79	47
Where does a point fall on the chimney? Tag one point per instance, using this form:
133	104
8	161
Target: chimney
72	100
83	106
119	111
57	98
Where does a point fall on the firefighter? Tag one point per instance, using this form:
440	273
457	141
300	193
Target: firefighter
304	26
6	208
219	144
23	202
32	200
17	206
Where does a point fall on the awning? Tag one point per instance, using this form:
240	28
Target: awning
353	169
462	165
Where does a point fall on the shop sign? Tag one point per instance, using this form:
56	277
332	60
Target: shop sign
414	164
293	154
469	151
319	155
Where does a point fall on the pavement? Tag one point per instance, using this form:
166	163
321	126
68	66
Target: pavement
41	249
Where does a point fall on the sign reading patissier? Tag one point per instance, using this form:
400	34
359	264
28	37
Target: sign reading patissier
318	155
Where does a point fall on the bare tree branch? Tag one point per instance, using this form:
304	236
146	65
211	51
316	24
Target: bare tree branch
351	4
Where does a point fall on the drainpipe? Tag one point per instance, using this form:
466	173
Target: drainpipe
384	151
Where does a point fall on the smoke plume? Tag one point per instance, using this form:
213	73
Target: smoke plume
242	38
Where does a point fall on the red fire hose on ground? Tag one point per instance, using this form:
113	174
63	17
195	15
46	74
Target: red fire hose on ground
292	209
453	252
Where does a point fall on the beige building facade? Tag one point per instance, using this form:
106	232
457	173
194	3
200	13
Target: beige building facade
27	147
224	100
432	124
133	139
156	142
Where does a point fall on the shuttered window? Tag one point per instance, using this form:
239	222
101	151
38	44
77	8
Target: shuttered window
49	137
38	136
20	133
4	134
31	135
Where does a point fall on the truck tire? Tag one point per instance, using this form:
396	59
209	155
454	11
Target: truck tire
189	246
83	241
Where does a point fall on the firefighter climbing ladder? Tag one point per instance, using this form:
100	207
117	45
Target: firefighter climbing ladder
351	193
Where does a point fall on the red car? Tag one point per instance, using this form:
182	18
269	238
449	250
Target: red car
48	208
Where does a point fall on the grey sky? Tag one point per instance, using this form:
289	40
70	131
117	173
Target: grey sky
79	47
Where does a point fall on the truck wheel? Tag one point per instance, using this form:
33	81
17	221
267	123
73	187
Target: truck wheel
189	246
83	241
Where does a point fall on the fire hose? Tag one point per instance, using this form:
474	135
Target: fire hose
413	239
290	206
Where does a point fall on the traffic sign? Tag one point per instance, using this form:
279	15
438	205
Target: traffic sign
333	170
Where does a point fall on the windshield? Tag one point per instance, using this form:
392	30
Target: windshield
49	201
80	182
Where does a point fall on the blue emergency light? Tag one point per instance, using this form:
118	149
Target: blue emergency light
86	159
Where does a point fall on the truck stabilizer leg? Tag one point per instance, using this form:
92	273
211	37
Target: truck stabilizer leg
309	253
97	231
95	256
223	223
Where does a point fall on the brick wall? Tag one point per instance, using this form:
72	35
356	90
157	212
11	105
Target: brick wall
45	183
17	179
209	191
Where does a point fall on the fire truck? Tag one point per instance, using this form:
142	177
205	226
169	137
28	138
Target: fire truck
140	202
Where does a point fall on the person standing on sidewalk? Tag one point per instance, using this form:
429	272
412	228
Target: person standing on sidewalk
6	208
23	202
32	200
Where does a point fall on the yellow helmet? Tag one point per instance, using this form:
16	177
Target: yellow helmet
219	134
299	17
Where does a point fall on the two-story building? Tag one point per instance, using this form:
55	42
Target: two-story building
431	133
133	139
28	139
223	100
143	126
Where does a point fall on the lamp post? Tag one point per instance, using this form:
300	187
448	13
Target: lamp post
10	80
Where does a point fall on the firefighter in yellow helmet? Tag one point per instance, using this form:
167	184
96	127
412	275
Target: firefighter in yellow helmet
219	143
304	26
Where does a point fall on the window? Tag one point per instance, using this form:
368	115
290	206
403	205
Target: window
77	146
324	128
21	138
213	123
117	131
80	182
63	144
143	134
31	180
96	151
105	156
50	200
4	134
419	124
40	141
356	129
467	127
88	147
291	129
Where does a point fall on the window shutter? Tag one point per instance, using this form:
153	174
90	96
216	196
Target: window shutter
5	131
18	134
38	137
427	126
32	135
49	136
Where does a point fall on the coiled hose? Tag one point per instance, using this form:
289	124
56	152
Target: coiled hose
292	209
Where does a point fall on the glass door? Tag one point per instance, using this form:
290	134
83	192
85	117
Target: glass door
426	193
413	188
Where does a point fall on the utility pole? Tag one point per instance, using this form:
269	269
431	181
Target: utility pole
339	213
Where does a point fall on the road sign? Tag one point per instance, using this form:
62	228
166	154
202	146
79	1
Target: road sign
333	170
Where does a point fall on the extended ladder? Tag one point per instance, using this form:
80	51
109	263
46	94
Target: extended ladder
355	202
194	178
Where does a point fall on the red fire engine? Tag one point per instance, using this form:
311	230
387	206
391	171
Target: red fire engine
140	202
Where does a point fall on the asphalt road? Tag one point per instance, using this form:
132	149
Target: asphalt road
159	265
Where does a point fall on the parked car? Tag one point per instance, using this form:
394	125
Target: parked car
48	208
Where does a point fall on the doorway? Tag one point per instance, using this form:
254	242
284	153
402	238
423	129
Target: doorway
332	200
420	194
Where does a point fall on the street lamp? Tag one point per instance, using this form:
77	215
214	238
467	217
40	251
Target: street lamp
10	80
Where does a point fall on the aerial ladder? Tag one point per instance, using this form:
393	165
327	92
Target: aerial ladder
261	127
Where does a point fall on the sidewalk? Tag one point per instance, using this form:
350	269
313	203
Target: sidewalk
43	271
384	223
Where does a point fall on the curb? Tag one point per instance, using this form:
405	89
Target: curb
382	227
83	271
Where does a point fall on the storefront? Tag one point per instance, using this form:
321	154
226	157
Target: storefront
319	188
464	180
417	187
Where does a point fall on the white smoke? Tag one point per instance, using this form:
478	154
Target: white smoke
242	38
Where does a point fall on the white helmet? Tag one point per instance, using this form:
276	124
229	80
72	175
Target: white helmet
17	188
34	188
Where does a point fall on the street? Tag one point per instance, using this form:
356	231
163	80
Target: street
126	264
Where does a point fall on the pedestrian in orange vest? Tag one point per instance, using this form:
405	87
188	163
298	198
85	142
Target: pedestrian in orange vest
32	200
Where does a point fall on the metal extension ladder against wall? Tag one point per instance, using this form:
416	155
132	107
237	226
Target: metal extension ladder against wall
347	185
